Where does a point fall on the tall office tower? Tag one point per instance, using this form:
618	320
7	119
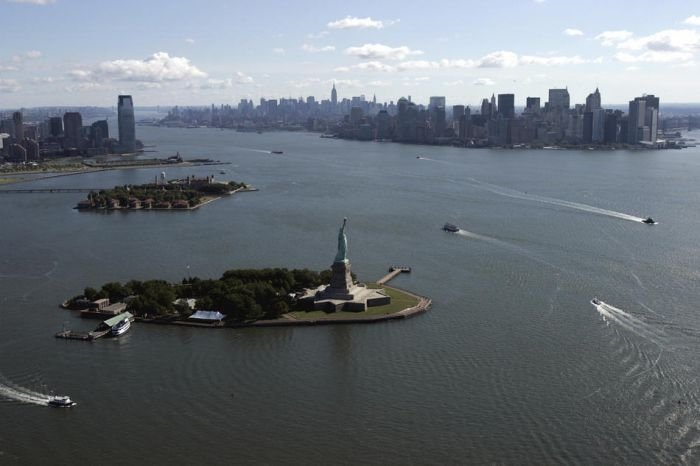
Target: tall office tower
435	102
486	109
532	105
593	101
558	100
437	117
598	130
635	120
494	109
651	119
55	126
457	112
99	131
19	126
127	123
506	105
334	96
72	122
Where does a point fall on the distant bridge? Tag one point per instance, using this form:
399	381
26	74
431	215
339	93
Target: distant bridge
49	190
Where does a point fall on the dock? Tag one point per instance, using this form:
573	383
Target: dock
394	270
84	336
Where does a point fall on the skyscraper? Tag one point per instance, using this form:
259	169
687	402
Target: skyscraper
532	105
558	100
55	126
435	102
506	105
593	101
127	123
635	120
19	126
72	123
334	96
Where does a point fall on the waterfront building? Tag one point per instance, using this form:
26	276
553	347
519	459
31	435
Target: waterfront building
593	101
72	124
598	126
127	123
642	122
506	105
558	100
99	131
532	105
19	126
436	101
457	112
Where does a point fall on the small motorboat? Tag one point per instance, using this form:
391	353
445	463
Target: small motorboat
450	228
595	302
59	401
276	152
649	221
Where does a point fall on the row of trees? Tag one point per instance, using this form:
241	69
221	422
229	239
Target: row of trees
245	294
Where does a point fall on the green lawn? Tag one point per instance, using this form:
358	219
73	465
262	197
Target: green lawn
399	302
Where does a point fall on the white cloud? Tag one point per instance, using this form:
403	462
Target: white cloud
374	66
381	52
81	75
458	82
610	38
551	61
242	78
45	80
483	82
314	49
89	87
500	59
351	22
342	69
9	85
418	65
190	40
632	68
158	67
379	83
692	20
422	78
33	54
573	32
34	2
653	57
670	40
278	50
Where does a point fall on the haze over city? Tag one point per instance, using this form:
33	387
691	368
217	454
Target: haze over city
64	52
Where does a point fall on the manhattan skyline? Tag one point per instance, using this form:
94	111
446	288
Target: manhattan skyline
58	52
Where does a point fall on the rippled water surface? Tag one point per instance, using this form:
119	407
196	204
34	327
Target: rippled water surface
513	363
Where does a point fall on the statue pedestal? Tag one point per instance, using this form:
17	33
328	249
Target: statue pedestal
341	285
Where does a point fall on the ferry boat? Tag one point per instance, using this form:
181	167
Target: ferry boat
450	228
59	401
121	327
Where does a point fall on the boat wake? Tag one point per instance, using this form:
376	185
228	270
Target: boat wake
514	194
250	149
14	392
630	322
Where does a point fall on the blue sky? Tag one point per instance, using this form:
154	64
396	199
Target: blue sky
73	52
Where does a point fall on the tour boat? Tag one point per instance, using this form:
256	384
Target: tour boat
649	221
451	228
121	327
59	401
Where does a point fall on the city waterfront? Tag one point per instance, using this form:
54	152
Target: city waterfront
512	364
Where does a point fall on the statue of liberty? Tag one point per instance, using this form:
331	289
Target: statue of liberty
342	255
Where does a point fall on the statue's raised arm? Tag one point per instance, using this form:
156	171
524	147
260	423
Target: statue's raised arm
342	255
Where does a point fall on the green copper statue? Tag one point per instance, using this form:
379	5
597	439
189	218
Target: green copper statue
342	255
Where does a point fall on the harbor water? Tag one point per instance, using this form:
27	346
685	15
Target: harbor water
513	363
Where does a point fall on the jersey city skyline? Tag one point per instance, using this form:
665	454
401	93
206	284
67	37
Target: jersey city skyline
58	52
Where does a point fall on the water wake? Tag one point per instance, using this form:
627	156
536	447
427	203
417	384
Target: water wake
630	322
250	149
14	392
514	194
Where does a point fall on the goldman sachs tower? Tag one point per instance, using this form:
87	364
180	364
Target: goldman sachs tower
127	123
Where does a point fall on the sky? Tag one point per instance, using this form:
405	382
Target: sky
182	52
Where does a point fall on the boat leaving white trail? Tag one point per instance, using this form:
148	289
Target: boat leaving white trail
624	319
21	394
512	193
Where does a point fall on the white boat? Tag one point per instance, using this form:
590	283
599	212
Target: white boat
59	401
121	327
